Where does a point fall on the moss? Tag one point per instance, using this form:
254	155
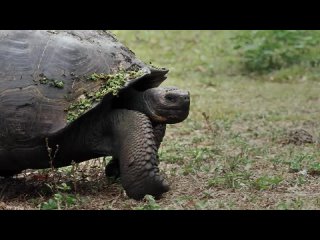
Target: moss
51	82
44	80
78	108
58	84
110	84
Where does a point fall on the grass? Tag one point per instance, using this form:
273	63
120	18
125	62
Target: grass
227	155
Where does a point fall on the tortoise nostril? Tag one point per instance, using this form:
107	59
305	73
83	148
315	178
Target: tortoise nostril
186	98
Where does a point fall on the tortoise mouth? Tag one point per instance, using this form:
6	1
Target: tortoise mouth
180	109
170	116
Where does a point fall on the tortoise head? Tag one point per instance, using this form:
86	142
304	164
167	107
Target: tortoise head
167	105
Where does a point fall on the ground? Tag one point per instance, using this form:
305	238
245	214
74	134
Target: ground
235	151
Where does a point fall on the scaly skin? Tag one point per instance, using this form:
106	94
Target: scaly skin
159	132
136	150
113	168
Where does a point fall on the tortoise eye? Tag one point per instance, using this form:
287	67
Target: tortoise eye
170	98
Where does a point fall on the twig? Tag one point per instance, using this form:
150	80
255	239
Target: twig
2	191
73	175
51	159
206	118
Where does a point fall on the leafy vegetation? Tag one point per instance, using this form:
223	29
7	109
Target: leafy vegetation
150	204
60	200
268	50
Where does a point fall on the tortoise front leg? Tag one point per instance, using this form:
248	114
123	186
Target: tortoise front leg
136	149
113	168
159	131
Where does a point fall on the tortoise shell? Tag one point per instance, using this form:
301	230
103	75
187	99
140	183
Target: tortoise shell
45	73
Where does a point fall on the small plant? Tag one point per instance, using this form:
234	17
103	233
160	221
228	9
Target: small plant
314	168
232	180
295	204
201	205
300	161
60	200
150	204
267	182
301	180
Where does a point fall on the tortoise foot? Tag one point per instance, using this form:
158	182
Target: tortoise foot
150	182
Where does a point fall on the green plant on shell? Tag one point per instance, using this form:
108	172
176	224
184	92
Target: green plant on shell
110	83
51	82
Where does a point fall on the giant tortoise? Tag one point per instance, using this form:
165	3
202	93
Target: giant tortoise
71	96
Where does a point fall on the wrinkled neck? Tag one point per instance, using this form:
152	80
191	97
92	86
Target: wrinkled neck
134	100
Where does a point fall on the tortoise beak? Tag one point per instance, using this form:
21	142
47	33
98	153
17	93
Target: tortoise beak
185	100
